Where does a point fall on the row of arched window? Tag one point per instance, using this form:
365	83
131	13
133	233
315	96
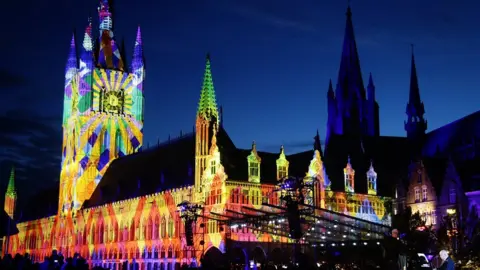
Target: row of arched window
149	229
98	233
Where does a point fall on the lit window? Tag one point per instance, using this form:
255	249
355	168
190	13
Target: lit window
417	194
434	217
213	167
253	169
424	193
282	172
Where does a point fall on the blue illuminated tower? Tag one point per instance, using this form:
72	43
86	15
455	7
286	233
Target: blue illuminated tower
351	111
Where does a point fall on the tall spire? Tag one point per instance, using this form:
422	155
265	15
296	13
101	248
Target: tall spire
416	125
207	106
11	183
350	75
415	105
138	60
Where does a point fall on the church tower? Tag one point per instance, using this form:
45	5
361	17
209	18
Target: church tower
351	111
103	109
11	195
206	123
416	125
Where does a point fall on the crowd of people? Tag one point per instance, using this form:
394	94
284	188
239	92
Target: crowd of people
53	262
395	257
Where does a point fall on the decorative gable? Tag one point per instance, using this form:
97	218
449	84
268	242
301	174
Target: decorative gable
214	167
317	171
451	191
254	165
282	165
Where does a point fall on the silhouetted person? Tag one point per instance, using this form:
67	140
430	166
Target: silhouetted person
393	249
447	262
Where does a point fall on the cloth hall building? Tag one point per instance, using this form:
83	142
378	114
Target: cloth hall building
116	202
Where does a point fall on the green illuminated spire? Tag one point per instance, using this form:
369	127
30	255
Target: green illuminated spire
11	184
207	106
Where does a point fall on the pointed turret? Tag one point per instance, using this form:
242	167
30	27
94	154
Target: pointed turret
317	144
11	195
207	106
282	165
72	61
86	55
11	184
416	125
138	61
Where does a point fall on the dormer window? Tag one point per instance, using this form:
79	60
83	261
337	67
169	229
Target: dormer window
349	176
253	169
213	167
424	193
254	165
282	165
372	180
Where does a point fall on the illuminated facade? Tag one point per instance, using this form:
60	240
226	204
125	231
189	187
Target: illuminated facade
103	110
117	204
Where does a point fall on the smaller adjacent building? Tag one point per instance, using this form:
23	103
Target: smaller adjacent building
434	190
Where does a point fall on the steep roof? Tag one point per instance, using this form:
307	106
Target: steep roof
166	166
172	164
448	137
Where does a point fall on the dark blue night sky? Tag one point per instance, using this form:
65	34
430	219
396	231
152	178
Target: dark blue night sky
271	60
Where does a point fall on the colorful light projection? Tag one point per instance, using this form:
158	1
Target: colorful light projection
148	229
207	120
365	206
103	114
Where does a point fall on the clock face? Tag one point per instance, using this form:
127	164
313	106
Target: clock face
113	101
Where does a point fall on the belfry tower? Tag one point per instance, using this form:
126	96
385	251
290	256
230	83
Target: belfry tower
206	123
103	109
